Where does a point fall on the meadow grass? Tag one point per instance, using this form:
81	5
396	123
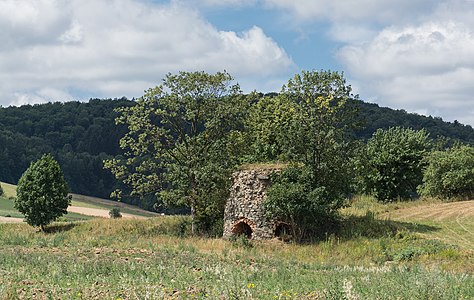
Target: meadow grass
6	208
9	190
157	259
94	202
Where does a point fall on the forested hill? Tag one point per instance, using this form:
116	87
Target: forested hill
81	135
374	117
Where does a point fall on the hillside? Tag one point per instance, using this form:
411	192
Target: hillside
81	135
82	207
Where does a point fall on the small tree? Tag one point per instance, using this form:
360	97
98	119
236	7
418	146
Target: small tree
449	174
179	142
42	192
306	126
392	164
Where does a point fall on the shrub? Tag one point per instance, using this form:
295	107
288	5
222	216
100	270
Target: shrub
42	192
449	174
391	167
296	198
1	190
115	213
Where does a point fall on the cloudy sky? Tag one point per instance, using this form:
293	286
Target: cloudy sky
415	55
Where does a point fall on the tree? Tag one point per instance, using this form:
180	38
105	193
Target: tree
308	125
391	167
42	192
178	142
449	174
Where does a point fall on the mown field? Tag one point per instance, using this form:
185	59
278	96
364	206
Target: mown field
78	201
379	252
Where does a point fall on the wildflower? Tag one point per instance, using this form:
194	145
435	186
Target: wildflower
250	286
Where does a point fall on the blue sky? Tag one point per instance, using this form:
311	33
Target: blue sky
404	54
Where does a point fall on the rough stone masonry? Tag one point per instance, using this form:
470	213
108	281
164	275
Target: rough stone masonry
244	212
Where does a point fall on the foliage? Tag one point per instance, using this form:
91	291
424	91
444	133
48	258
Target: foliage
80	135
42	193
392	163
375	117
306	124
178	143
449	174
1	190
115	213
298	199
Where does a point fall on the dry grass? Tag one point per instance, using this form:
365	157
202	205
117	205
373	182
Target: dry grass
8	189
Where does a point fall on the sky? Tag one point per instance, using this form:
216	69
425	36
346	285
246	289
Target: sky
403	54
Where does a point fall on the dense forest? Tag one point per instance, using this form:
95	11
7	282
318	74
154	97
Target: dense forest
81	135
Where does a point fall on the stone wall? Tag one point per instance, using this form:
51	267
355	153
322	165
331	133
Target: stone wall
244	211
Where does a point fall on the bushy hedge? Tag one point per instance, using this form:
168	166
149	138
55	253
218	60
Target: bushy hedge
449	174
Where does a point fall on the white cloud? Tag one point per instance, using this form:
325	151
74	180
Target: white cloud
119	47
365	11
232	3
427	68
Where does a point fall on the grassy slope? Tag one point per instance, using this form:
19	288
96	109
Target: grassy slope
373	257
77	200
452	223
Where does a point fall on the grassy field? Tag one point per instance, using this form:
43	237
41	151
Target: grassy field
376	254
7	209
6	205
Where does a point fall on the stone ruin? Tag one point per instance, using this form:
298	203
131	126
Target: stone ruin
244	212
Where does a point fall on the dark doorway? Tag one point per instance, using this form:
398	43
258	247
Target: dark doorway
242	228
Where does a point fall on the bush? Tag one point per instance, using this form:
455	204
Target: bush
42	192
296	198
115	213
391	167
1	190
449	174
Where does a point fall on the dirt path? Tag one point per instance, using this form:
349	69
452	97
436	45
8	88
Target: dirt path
97	212
10	220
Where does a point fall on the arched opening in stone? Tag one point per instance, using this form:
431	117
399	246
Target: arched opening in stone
242	228
283	231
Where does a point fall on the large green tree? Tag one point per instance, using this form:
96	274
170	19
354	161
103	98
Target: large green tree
178	142
449	174
42	192
391	166
306	125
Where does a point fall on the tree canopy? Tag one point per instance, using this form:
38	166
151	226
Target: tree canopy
306	126
449	174
42	192
392	164
178	144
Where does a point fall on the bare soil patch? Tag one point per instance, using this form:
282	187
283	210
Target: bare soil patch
97	212
10	220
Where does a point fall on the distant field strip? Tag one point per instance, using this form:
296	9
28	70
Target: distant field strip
455	220
98	212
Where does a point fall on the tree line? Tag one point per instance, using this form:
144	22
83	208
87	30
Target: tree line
83	135
185	137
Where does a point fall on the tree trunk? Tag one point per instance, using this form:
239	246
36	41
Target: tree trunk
193	215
